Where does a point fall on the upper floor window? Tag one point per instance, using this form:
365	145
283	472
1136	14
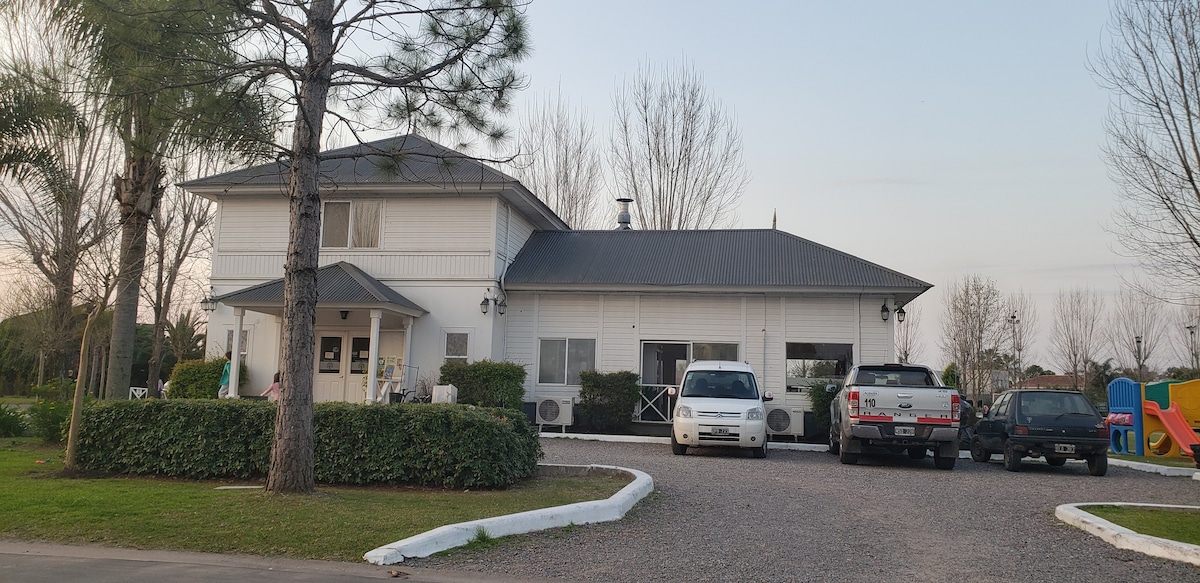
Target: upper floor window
353	225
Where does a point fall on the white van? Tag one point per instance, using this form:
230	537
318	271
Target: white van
719	404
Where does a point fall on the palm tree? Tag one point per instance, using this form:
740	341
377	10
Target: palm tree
184	339
155	63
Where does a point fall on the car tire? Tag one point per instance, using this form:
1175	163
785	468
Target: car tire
835	445
1098	464
676	447
917	453
1012	458
846	457
760	452
944	463
978	452
1056	462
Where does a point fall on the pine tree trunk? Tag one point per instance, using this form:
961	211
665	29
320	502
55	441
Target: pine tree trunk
292	465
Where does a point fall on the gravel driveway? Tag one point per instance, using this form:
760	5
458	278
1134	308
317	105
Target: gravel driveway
798	516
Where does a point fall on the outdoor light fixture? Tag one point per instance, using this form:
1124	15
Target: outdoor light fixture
483	306
900	313
208	304
344	314
489	298
884	312
501	307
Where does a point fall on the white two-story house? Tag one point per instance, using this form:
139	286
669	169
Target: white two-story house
429	255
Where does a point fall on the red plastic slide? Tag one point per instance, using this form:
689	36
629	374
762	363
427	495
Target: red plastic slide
1176	425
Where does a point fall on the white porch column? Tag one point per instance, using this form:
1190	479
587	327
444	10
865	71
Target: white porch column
235	363
373	356
407	355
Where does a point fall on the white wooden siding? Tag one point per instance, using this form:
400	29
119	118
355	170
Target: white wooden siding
253	225
876	335
691	318
821	320
442	225
620	349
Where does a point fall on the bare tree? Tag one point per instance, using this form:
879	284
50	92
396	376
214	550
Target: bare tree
1022	321
908	335
1136	329
1152	67
450	65
560	161
971	330
676	151
1074	337
1184	330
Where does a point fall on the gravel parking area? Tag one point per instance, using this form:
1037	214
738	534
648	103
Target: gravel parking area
720	515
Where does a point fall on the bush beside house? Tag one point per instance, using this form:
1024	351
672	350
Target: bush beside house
200	379
606	401
486	383
452	446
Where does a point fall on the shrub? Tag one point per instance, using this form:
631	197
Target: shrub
12	421
200	379
607	400
486	383
821	399
48	419
55	390
433	445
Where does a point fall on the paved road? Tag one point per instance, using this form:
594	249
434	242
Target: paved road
798	516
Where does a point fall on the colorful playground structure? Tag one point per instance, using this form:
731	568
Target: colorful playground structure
1155	419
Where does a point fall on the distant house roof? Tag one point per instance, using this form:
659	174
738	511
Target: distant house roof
406	162
695	260
1047	381
339	284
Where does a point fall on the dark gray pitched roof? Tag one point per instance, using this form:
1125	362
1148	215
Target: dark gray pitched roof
339	284
744	258
407	159
403	161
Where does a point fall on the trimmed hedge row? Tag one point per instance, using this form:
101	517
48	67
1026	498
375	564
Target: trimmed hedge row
440	445
607	400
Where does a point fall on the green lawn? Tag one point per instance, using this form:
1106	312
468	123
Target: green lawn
17	400
338	523
1177	524
1177	462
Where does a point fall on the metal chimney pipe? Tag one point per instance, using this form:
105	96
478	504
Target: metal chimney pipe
623	219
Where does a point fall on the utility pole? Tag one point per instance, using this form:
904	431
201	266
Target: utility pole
1137	340
1192	347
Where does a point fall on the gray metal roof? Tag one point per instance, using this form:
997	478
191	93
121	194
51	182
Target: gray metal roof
743	258
405	162
339	284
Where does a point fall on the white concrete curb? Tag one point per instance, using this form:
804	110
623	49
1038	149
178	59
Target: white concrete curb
456	535
1155	468
1123	538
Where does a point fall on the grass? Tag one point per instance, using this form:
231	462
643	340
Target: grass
17	400
1177	524
338	523
1176	462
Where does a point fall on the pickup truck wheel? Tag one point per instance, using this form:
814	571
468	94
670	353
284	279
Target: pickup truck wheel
1012	458
978	452
835	444
760	452
1056	462
917	453
677	448
1098	464
944	463
847	458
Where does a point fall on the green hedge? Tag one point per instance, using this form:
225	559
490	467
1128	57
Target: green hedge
486	383
200	379
821	400
442	445
607	400
12	421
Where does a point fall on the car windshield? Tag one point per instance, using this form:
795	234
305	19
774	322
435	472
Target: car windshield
1055	405
720	384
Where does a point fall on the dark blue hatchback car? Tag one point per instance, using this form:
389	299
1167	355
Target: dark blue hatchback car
1056	425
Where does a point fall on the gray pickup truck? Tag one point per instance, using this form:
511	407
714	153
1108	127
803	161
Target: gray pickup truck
896	406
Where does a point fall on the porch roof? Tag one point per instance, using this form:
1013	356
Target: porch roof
340	284
729	259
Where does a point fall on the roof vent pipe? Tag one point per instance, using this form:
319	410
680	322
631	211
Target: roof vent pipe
623	214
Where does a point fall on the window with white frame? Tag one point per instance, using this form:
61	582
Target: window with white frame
562	359
457	346
351	224
245	347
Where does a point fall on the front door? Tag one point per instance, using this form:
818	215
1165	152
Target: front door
330	381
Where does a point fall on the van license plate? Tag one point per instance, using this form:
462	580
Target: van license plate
905	431
720	431
1064	448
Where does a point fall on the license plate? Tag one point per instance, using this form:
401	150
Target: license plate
1064	448
906	431
720	431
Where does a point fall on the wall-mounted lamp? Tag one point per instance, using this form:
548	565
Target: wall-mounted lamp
483	306
501	303
344	314
884	312
501	307
208	304
900	313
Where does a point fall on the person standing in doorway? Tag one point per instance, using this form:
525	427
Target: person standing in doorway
223	392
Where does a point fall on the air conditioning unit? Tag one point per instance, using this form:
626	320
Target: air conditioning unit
556	411
785	420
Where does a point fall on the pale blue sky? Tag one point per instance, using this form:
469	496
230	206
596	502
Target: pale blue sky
935	138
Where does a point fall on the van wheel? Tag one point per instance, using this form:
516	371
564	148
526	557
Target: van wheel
1098	464
835	444
1012	458
846	457
760	452
676	447
917	453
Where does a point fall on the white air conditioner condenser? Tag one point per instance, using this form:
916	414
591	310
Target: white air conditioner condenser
785	420
556	411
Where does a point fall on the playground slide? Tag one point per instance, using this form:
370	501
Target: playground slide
1176	425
